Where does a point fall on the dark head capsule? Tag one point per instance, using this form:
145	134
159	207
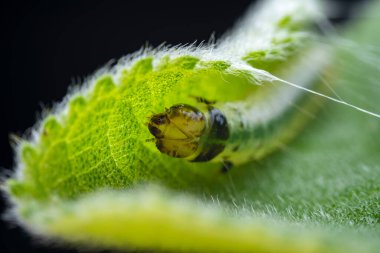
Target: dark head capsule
178	130
183	131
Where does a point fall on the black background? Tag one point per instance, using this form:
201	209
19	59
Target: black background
48	45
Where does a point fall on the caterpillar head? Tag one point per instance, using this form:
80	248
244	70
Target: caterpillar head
178	130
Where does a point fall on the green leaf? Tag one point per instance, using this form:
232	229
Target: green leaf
91	178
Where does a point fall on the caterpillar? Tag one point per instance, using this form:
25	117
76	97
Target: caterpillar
242	131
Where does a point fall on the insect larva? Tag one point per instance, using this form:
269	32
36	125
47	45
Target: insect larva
237	132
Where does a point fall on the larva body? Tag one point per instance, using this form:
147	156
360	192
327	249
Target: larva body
237	132
270	118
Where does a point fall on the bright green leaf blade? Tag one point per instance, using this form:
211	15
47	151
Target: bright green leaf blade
152	218
320	193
